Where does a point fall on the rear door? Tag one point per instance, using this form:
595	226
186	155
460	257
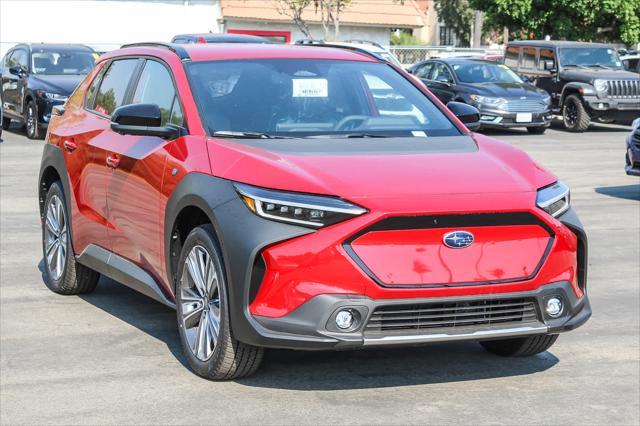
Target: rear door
134	191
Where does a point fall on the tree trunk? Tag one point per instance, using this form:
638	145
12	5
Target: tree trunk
477	29
336	22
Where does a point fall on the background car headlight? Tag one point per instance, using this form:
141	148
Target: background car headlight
487	100
50	95
546	99
308	210
554	199
600	85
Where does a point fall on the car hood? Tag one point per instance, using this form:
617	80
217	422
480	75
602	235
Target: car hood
373	168
587	75
505	90
61	84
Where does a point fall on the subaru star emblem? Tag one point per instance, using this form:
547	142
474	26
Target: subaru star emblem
458	239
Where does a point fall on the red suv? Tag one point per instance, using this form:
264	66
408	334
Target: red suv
303	197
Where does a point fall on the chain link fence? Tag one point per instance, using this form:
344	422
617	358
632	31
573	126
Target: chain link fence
409	55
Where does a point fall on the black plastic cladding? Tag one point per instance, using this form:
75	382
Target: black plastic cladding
451	221
53	157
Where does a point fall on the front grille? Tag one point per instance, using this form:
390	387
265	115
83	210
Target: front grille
624	88
524	105
452	315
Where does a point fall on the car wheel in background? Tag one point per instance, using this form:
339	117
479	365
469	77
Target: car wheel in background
202	307
574	115
63	274
6	122
536	130
522	346
31	121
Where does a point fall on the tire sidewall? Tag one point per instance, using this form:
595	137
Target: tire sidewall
56	285
36	131
203	236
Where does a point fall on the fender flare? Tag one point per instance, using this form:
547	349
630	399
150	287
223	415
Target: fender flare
575	87
53	158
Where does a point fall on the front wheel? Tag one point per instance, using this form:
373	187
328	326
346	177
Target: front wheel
31	121
574	114
521	346
202	307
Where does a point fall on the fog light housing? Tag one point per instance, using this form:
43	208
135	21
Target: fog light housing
554	307
345	319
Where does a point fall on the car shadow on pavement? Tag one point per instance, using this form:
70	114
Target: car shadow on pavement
326	370
626	192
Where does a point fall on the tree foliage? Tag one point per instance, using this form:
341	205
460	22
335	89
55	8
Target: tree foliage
588	20
457	15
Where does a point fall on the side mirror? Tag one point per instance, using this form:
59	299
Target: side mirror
443	79
468	114
142	120
549	65
17	70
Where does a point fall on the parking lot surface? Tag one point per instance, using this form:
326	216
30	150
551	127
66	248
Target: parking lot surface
114	356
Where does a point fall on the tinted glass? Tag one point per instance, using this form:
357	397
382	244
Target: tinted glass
529	57
589	57
511	56
114	86
156	87
546	55
483	72
424	70
49	60
177	117
19	58
91	92
295	97
441	73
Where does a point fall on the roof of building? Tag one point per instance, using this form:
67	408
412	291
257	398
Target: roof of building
556	43
380	13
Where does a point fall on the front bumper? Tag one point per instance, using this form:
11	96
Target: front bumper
632	158
45	107
493	117
620	109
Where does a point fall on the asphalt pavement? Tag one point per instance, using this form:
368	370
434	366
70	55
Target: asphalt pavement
114	356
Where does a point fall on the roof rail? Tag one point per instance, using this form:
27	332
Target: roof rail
371	43
175	48
322	43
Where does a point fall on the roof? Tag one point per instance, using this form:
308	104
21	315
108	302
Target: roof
58	46
221	51
556	43
371	13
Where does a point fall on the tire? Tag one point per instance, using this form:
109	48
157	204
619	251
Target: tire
523	346
31	125
63	274
220	356
6	122
536	130
574	116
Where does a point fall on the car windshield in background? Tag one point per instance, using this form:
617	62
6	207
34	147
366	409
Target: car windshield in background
482	72
306	97
589	57
62	61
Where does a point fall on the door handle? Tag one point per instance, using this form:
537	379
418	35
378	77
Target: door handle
69	146
113	161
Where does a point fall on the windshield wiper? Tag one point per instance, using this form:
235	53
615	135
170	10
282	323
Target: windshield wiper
246	135
347	136
600	65
575	65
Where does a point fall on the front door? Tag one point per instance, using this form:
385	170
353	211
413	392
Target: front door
441	82
13	86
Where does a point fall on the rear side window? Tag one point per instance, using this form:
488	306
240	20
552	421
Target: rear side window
155	86
529	58
423	71
511	57
114	84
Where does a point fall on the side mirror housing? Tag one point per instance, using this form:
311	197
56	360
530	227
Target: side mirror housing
549	65
17	70
468	114
142	120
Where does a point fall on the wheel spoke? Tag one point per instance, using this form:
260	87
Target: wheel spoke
213	324
201	340
58	268
196	278
50	253
52	220
212	279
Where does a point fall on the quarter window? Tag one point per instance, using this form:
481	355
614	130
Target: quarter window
114	84
156	87
529	58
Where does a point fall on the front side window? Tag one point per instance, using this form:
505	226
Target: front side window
114	84
423	71
441	73
50	60
604	57
155	86
546	55
305	97
19	58
485	72
529	58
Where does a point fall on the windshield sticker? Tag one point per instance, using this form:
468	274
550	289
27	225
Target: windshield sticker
310	88
609	51
419	133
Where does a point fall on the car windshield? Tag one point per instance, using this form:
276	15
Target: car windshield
309	97
61	61
483	72
589	57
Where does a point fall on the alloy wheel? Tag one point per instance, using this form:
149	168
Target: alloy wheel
31	120
200	302
570	113
55	238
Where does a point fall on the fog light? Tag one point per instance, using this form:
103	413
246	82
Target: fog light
554	307
344	319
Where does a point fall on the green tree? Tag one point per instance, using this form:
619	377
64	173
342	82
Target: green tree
589	20
458	15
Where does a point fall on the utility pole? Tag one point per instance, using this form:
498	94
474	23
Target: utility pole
477	29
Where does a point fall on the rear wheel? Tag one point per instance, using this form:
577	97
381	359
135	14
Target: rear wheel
522	346
202	307
574	115
63	274
536	130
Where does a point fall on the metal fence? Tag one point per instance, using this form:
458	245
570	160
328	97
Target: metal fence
409	55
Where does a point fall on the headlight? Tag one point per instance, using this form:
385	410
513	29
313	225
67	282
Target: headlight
302	209
487	100
546	99
600	85
554	199
50	95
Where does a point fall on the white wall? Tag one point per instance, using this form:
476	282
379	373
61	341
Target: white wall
104	25
347	32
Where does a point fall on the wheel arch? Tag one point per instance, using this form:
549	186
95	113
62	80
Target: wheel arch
574	88
53	168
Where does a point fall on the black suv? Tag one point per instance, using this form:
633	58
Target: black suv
586	81
36	77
